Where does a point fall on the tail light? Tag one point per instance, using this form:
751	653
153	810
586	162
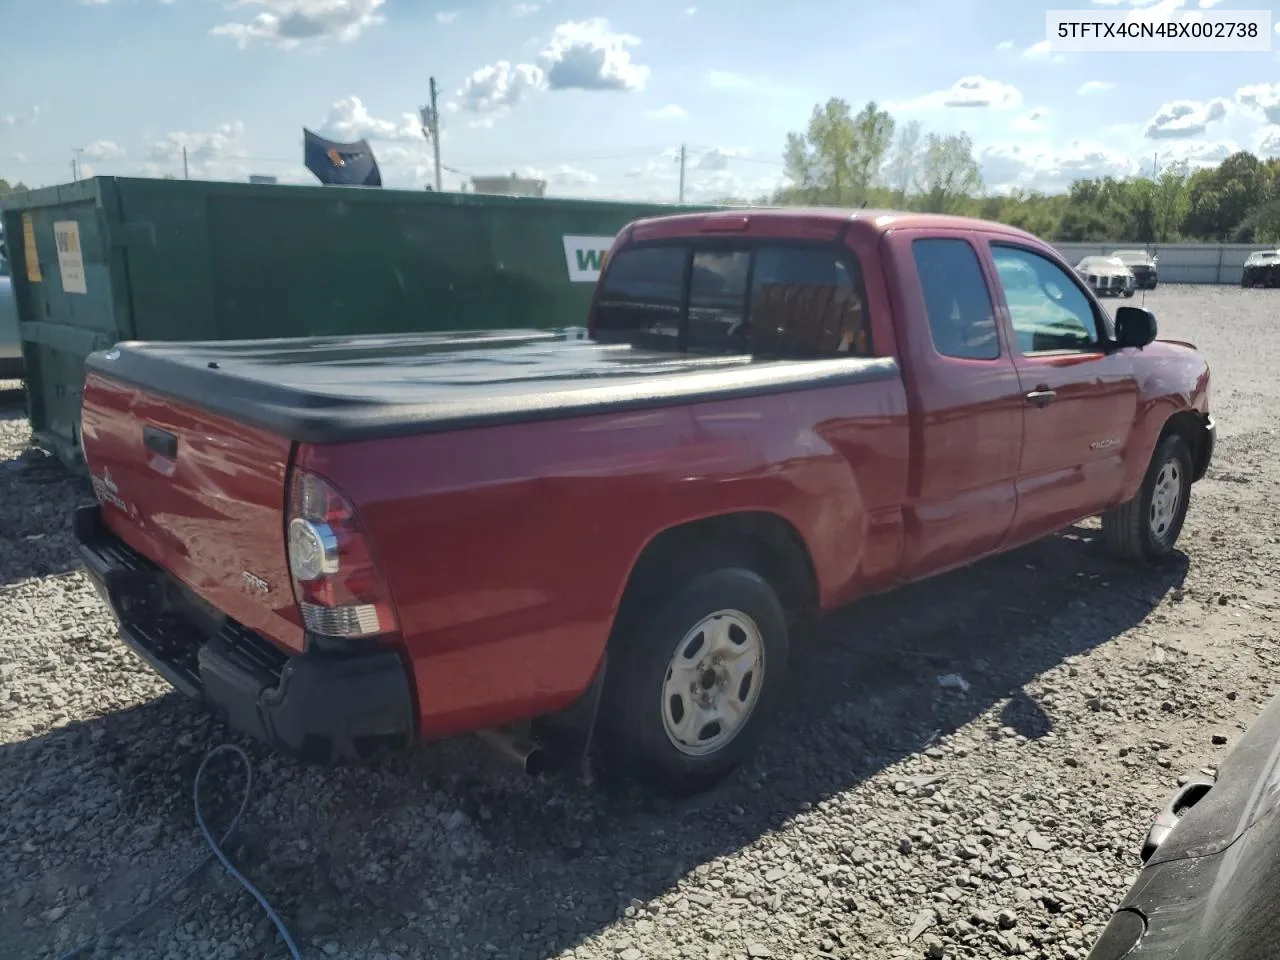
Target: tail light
339	587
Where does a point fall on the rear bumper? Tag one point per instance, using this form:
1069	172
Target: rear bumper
318	706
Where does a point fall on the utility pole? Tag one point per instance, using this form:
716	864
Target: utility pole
186	172
682	159
75	175
431	128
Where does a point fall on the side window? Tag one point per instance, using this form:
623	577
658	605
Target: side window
640	292
961	317
1049	312
718	297
808	301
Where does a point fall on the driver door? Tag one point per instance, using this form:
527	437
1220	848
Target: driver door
1080	394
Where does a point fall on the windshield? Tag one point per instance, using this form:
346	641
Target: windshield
1129	257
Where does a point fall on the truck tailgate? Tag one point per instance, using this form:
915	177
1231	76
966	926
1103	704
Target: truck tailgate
202	496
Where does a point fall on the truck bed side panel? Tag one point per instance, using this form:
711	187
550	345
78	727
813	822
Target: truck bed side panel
211	514
509	547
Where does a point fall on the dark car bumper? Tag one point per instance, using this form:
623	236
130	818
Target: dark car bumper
1210	883
318	705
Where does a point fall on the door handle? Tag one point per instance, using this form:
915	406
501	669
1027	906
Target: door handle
1042	397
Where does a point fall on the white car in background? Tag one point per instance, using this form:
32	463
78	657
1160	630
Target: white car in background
1107	276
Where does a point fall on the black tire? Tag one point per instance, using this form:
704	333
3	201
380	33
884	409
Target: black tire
1130	530
633	731
1154	284
1128	293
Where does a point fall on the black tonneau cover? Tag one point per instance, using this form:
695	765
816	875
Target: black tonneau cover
337	389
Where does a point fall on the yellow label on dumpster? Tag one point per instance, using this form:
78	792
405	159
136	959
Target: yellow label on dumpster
29	249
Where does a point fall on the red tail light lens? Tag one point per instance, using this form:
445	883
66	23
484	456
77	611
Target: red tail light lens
339	587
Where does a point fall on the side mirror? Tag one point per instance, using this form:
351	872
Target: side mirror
1135	327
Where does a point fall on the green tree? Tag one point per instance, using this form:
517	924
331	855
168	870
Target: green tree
905	160
838	158
1220	198
949	174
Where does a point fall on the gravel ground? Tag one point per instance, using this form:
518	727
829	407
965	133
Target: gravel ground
888	815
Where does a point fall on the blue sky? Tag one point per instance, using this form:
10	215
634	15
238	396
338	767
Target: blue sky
598	95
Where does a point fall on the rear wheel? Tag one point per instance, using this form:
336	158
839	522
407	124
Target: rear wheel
691	686
1147	527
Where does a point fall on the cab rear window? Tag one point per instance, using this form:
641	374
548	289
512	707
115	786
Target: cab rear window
769	299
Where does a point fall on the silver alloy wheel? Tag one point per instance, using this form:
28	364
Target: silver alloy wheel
713	682
1165	498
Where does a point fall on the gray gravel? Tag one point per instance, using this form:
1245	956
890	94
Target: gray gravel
888	816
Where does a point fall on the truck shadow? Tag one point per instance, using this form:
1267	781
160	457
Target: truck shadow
445	851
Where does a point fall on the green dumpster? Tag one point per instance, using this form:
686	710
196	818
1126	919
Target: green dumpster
114	258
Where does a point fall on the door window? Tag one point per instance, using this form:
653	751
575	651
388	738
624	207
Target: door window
1049	312
961	317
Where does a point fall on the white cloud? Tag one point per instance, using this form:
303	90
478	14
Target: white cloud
1266	142
448	16
104	150
587	55
1004	45
1040	165
1032	121
350	120
690	11
564	176
1095	86
1040	51
218	154
1198	153
19	157
494	88
30	115
975	91
290	23
525	8
671	111
718	158
1185	118
1263	97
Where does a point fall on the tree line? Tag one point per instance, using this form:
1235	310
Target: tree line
845	159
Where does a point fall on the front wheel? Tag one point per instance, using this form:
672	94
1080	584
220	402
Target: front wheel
1128	293
1147	527
691	686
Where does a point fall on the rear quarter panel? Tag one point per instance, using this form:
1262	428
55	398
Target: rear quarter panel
508	548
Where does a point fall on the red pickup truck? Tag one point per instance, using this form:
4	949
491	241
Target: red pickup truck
346	543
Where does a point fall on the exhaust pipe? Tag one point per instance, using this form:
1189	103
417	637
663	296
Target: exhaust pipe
529	755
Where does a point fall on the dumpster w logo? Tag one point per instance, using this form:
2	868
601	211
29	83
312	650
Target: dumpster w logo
585	257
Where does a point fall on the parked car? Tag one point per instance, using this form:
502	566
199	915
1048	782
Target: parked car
1107	276
1262	269
1211	873
1142	265
347	542
10	338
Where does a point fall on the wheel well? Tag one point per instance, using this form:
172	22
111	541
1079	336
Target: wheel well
763	542
1190	426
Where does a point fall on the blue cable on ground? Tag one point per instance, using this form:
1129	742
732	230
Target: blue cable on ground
215	852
